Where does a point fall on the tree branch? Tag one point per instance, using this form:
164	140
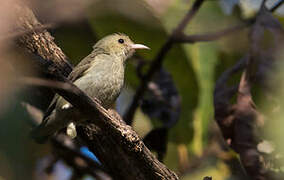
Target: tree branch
19	33
177	36
239	122
182	38
187	18
276	5
66	150
118	147
157	62
39	43
146	165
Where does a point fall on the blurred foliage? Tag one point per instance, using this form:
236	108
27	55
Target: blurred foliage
194	69
154	34
272	106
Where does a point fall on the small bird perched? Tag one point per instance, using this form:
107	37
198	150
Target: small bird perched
100	75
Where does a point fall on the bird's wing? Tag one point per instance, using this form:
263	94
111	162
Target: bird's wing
84	65
77	72
80	69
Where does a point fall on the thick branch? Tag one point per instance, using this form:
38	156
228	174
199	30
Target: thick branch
39	43
66	150
124	155
146	165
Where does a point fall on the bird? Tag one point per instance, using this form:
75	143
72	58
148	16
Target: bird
100	75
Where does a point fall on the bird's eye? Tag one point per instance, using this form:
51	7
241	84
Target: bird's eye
121	41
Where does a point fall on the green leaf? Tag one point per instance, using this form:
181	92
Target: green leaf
203	59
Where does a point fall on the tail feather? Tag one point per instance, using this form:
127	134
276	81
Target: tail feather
50	126
46	129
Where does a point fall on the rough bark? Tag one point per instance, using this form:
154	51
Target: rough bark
38	41
117	146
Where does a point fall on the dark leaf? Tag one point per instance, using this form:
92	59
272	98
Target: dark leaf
162	101
157	140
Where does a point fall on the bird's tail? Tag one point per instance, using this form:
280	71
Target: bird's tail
46	129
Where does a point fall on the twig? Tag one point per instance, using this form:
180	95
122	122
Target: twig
190	14
263	4
223	79
223	110
238	122
158	60
176	37
210	36
276	5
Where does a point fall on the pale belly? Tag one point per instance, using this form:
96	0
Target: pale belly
103	81
105	88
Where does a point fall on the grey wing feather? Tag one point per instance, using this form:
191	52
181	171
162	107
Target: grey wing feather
77	72
80	69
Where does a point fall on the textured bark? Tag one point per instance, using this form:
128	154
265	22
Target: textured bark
45	56
38	41
117	146
138	161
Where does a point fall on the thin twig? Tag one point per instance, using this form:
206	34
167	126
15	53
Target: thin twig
176	37
158	60
263	3
210	36
223	79
238	122
276	5
187	18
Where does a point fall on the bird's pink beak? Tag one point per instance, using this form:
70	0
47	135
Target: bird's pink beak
139	46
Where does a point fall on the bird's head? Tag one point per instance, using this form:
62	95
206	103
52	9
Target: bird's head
120	45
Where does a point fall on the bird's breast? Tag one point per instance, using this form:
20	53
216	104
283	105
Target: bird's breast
103	82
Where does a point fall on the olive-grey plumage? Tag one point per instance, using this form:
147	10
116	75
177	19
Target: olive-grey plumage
100	75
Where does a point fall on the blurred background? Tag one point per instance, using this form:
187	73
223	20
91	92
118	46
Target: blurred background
186	137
